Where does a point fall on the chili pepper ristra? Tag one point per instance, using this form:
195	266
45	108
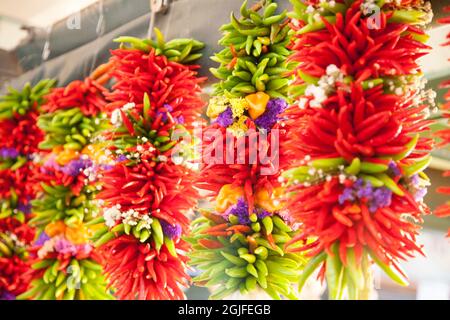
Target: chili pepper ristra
444	135
148	193
359	184
19	139
238	244
65	265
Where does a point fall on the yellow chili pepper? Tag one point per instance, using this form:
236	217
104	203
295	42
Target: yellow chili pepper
78	234
269	203
257	104
65	155
228	196
55	228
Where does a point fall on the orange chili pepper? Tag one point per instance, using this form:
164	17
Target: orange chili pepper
210	244
228	195
239	229
257	104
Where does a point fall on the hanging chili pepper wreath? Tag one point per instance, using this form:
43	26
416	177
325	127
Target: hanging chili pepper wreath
65	264
147	193
19	139
444	134
238	245
358	190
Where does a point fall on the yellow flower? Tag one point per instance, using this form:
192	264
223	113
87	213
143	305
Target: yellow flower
216	106
271	204
238	106
239	128
228	196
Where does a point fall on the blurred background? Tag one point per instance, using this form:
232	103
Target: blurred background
67	39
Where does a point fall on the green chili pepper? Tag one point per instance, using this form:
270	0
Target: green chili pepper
328	164
309	268
393	274
417	166
370	167
233	259
354	167
390	184
372	180
354	270
334	273
157	231
268	224
410	146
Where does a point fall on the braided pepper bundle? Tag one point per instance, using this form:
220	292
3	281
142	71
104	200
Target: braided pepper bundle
160	69
148	192
254	57
444	134
19	139
238	244
65	265
358	186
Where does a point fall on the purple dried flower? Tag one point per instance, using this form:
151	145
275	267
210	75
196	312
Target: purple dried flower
273	109
415	180
74	167
394	168
347	195
172	231
105	167
374	197
43	237
420	194
164	113
225	119
358	183
179	120
262	213
8	153
365	191
25	208
7	296
240	210
122	158
65	247
381	198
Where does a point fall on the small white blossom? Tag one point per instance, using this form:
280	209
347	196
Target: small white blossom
111	215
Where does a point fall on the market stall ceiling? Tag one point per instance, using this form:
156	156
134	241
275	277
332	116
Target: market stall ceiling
44	13
41	13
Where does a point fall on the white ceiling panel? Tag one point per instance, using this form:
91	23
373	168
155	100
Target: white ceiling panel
41	13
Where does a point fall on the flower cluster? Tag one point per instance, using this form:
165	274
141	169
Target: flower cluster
146	196
358	185
360	190
64	269
59	245
235	113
